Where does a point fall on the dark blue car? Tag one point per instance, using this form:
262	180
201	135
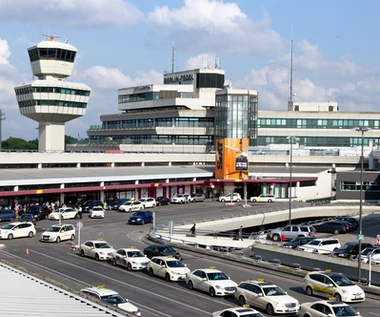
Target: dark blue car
141	217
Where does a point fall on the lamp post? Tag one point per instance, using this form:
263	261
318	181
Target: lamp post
291	138
2	117
360	235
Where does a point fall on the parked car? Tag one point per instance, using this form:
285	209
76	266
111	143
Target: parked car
116	204
7	215
265	198
237	312
231	197
17	230
97	212
291	231
64	213
349	250
167	267
141	217
334	226
89	204
148	202
320	246
97	249
159	249
131	258
179	199
130	206
329	284
39	211
375	255
27	218
197	197
331	308
294	243
58	233
353	221
110	297
161	200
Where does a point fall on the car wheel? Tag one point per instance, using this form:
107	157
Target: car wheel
129	267
58	240
151	273
309	291
10	236
212	292
72	237
114	261
31	234
242	300
253	200
269	309
276	237
97	257
143	222
270	201
81	253
338	297
167	277
222	200
336	231
237	200
191	286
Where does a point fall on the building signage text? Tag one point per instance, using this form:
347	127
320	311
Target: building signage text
179	79
146	87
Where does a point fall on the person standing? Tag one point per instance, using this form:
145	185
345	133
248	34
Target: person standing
80	211
240	233
192	230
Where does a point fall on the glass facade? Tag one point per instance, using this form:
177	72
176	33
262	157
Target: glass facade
51	53
236	116
70	104
58	90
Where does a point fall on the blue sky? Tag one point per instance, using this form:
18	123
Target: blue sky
127	43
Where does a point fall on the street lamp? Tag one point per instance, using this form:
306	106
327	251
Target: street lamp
360	235
2	117
296	139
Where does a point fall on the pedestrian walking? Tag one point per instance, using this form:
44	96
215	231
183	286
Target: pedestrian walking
241	233
80	211
192	230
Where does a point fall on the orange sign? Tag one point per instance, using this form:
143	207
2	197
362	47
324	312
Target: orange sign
231	162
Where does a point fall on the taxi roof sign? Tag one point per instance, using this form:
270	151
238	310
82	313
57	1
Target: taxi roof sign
101	286
100	239
133	247
261	280
212	267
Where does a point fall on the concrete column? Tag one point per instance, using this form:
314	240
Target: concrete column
39	165
78	165
142	163
15	188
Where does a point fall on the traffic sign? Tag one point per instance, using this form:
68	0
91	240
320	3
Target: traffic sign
79	225
360	237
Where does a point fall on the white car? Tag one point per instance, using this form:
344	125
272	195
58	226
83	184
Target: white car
232	197
148	202
17	230
97	249
333	284
179	199
267	296
130	206
212	281
237	312
167	267
65	213
331	308
110	297
58	233
375	255
320	246
97	212
131	258
263	199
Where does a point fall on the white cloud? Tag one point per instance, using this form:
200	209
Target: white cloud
212	24
201	61
71	13
4	52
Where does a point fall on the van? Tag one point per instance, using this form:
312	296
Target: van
7	215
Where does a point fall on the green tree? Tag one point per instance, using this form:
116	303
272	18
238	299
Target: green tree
19	144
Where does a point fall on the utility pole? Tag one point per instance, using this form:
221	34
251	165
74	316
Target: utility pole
2	117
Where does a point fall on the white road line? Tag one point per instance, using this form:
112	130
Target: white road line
371	313
126	284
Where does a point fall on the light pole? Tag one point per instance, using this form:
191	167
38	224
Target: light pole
2	117
291	138
360	235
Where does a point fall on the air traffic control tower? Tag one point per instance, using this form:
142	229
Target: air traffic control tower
51	100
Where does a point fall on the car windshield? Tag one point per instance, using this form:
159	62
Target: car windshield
175	264
314	242
102	245
114	297
53	229
344	311
216	276
167	249
346	247
252	315
366	251
135	254
273	291
7	227
341	280
139	213
26	217
127	203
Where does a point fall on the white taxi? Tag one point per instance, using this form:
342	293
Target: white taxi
111	297
64	213
149	202
212	281
265	295
167	267
130	206
97	212
327	283
58	233
97	249
131	258
17	230
237	312
330	308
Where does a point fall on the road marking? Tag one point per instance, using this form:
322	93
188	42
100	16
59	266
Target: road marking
126	284
371	313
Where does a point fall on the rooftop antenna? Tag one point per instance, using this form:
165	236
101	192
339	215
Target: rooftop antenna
173	58
291	68
51	37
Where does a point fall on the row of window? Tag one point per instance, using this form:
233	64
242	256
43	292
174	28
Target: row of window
160	122
318	141
51	53
367	186
154	95
156	139
70	104
57	90
317	123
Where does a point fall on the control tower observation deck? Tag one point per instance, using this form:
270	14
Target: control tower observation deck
51	100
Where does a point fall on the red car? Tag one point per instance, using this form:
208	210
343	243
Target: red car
161	200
